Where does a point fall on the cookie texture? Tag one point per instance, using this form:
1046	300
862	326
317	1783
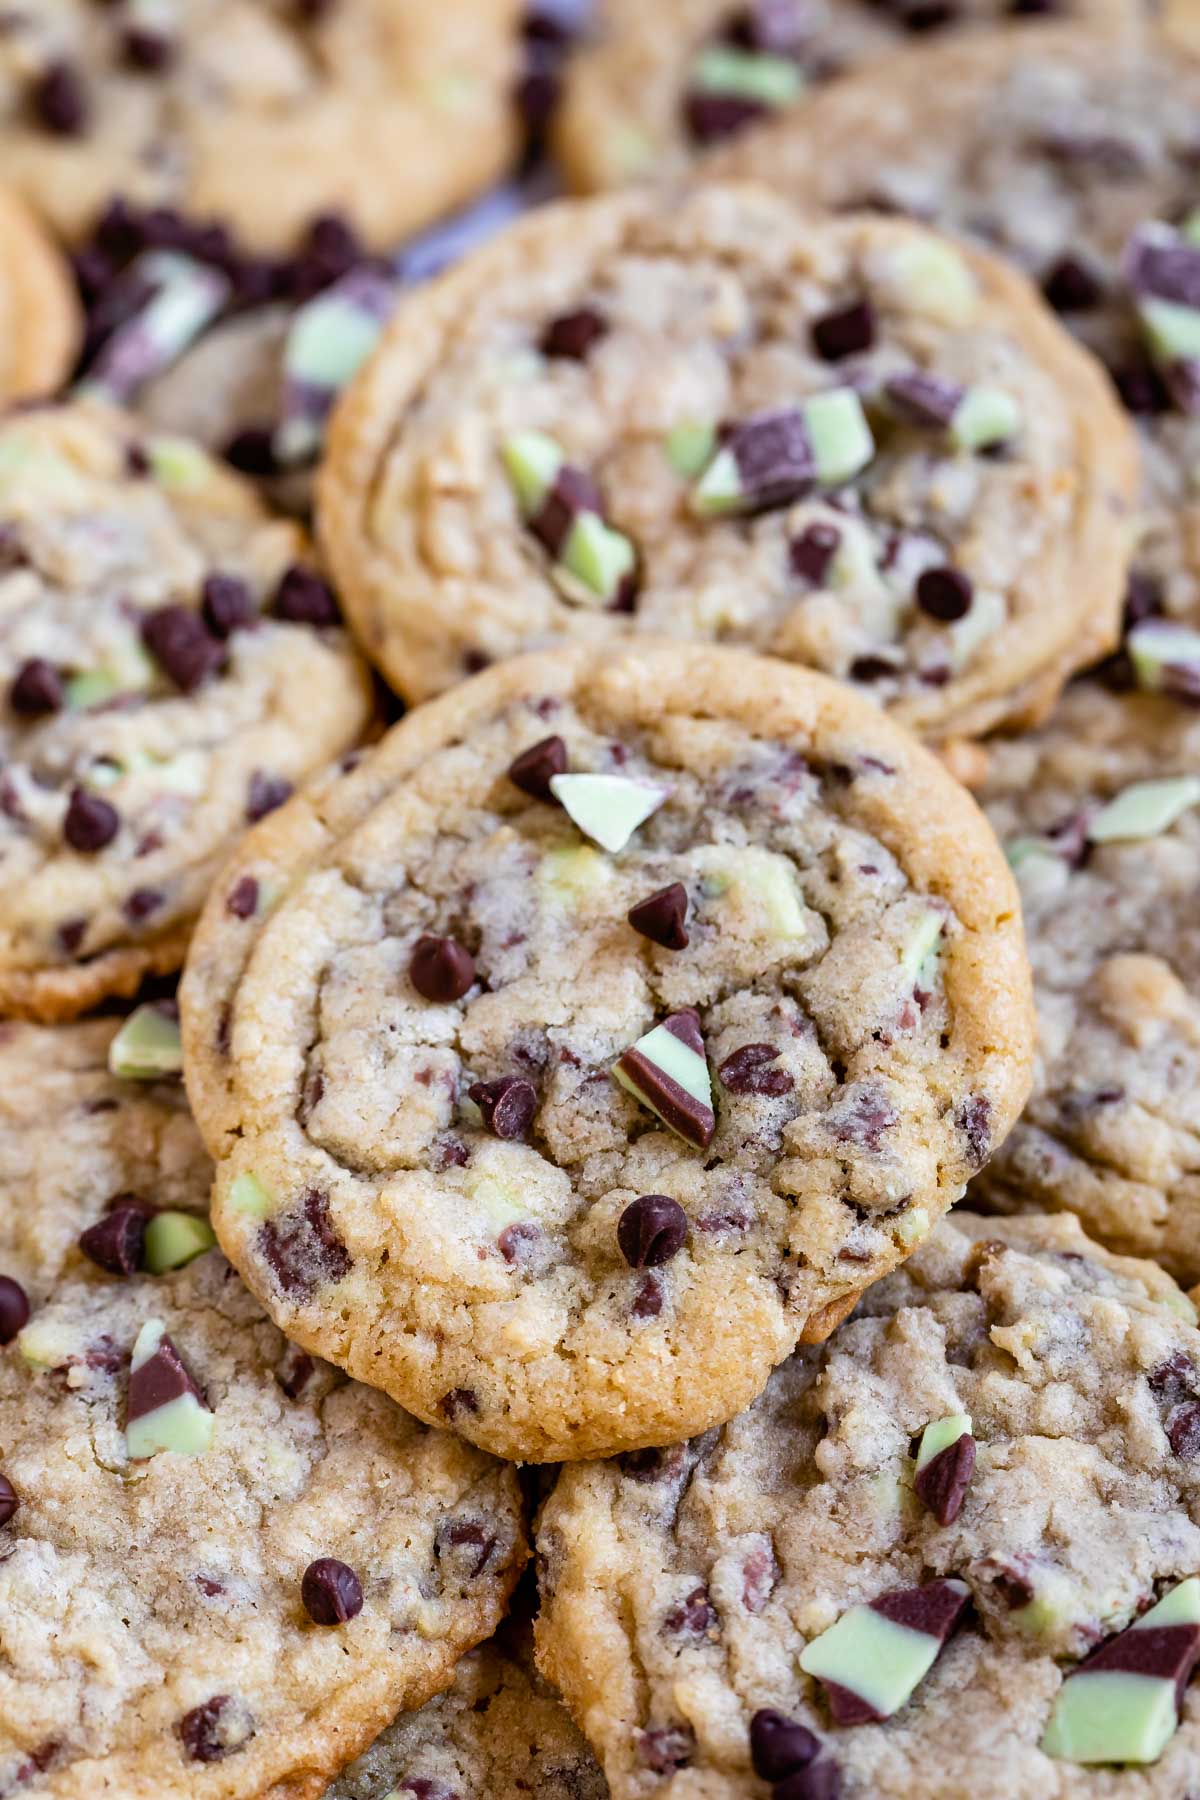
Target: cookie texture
260	115
1075	160
1110	922
39	322
492	1137
717	419
171	663
682	1591
652	88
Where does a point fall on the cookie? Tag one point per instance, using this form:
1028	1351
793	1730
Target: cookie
260	115
609	1027
1076	162
844	442
497	1733
952	1552
170	664
655	87
39	322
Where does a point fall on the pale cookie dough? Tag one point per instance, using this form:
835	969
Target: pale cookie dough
1078	161
39	316
170	665
260	113
845	442
683	1590
453	1197
1100	813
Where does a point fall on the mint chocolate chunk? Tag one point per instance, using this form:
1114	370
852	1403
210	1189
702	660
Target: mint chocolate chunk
874	1657
667	1070
945	1465
165	1409
1122	1705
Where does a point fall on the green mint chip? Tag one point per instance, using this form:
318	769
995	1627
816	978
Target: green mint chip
1145	810
174	1239
607	808
148	1045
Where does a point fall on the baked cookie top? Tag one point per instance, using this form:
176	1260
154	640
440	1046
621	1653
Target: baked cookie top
1100	814
170	664
39	317
842	441
1077	160
614	1022
260	113
651	88
887	1577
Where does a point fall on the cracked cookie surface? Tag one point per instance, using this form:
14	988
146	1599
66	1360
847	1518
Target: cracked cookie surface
39	316
171	664
844	442
682	1589
406	1001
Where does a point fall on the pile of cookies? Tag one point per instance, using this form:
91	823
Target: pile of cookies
599	643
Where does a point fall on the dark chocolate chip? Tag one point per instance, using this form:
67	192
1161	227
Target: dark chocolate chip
820	1781
532	769
331	1592
440	969
748	1071
9	1500
651	1230
712	116
1070	286
37	689
14	1309
226	605
265	793
252	451
302	598
846	332
242	899
216	1729
1183	1430
662	917
935	1608
942	1484
60	100
181	643
71	934
774	457
115	1242
90	823
779	1745
1174	1379
944	593
150	52
507	1105
572	334
811	553
303	1248
1141	388
142	903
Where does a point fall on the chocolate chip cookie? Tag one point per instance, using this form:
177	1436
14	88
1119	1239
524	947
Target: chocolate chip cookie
39	321
655	86
613	1024
1078	163
845	442
259	113
171	663
951	1552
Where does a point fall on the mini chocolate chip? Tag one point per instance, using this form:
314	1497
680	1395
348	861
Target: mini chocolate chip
651	1230
507	1105
302	598
1183	1430
532	769
440	969
1070	286
9	1501
242	899
148	51
181	643
265	793
944	593
14	1309
572	334
661	917
60	100
331	1592
747	1071
90	822
225	604
846	332
812	552
779	1745
37	689
115	1242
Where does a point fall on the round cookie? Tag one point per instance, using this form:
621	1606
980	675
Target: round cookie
170	666
1079	164
610	1026
883	1579
1098	811
39	322
716	418
260	113
656	86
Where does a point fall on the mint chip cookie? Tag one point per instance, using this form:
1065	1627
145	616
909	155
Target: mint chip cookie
260	113
1076	158
846	442
652	88
507	1127
794	1607
1100	816
39	320
171	664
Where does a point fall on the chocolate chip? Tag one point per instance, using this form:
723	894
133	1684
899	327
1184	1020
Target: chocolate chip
770	27
1174	1379
694	1616
302	598
37	689
302	1246
661	917
252	451
572	334
226	605
711	116
747	1071
923	399
242	899
148	51
142	903
532	769
331	1592
466	1534
779	1745
163	1378
942	1484
872	668
1141	388
812	552
1183	1430
9	1500
651	1230
181	643
846	332
820	1781
440	969
60	100
265	794
216	1729
507	1105
14	1309
115	1242
1070	286
459	1400
975	1123
71	934
90	822
944	593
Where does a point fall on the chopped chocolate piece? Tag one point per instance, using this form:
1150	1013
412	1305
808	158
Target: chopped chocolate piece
533	769
440	969
14	1309
811	553
302	598
694	1616
846	332
115	1242
667	1070
9	1500
651	1230
924	399
142	903
944	593
662	917
226	605
182	644
748	1071
90	822
37	689
331	1592
779	1745
1123	1704
302	1246
572	334
60	100
766	462
508	1105
711	117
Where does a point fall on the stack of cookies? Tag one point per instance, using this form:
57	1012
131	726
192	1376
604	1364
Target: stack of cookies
519	534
